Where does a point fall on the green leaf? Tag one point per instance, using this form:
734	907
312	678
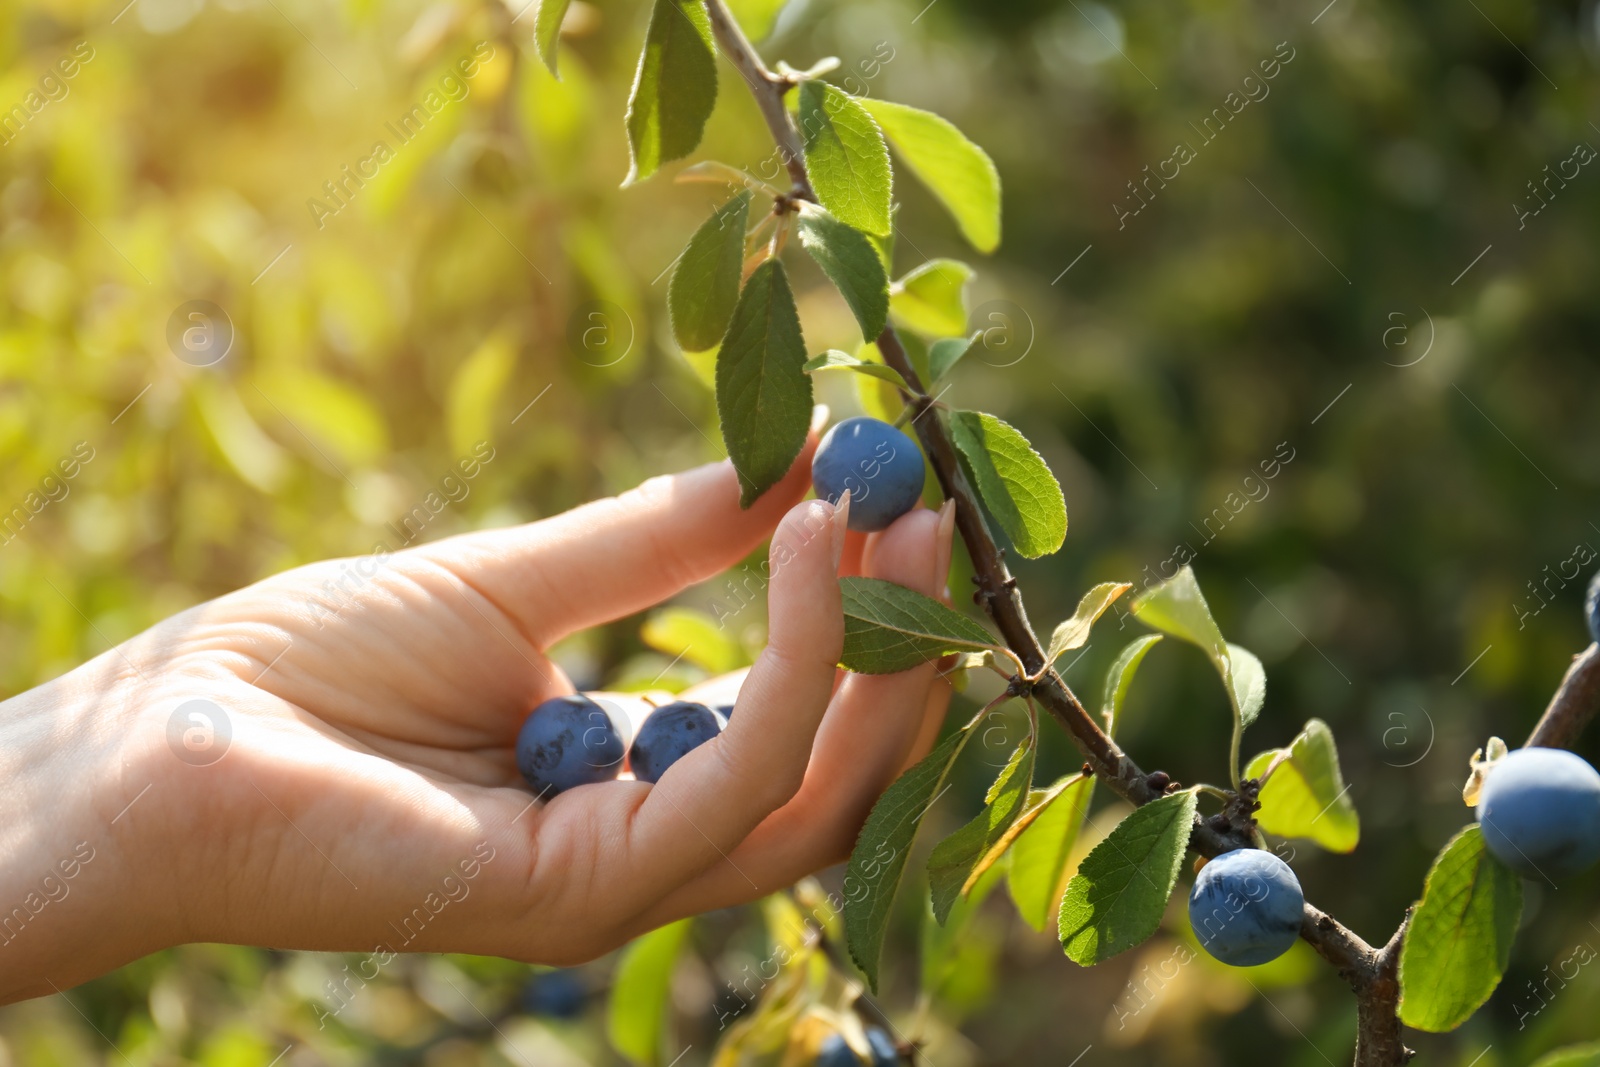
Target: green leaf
476	391
890	628
846	157
1120	677
1571	1056
1014	482
331	416
879	858
834	358
756	17
705	283
695	637
704	365
547	31
959	860
951	952
958	172
945	353
1116	899
851	263
1459	942
1043	847
1247	680
877	397
637	1017
1075	631
1306	795
932	299
763	391
1177	607
674	89
883	243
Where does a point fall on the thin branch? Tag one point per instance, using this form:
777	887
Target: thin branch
998	593
767	88
1574	704
1370	971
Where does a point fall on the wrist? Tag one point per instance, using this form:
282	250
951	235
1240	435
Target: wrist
76	873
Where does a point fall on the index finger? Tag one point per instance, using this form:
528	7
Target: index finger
617	556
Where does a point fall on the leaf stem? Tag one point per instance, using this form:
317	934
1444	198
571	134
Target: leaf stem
768	90
1233	750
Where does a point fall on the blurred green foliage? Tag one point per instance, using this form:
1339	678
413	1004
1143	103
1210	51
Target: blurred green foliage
1304	293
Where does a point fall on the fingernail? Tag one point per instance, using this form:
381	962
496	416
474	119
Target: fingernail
945	543
819	418
841	524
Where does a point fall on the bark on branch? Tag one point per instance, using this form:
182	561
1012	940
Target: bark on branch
1575	702
1370	972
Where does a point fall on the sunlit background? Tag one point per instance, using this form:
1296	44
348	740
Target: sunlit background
1364	275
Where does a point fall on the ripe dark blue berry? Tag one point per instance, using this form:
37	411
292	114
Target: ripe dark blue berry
878	464
1591	607
1245	907
554	994
1539	811
670	733
836	1052
568	742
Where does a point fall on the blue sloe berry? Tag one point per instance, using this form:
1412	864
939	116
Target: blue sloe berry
554	994
884	1052
1539	811
836	1052
1245	907
878	464
669	733
570	741
1591	607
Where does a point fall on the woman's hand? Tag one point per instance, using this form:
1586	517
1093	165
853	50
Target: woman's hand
324	760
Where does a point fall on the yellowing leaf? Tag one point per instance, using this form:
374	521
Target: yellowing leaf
696	638
879	857
1572	1056
1120	677
637	1017
249	451
476	390
931	299
958	172
833	358
756	17
1306	795
547	30
333	416
1046	833
1074	632
959	860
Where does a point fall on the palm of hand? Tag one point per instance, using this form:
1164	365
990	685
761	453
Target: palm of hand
368	797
